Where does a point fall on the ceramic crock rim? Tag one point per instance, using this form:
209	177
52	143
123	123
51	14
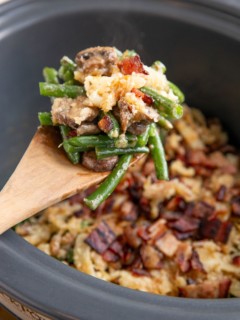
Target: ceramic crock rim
17	252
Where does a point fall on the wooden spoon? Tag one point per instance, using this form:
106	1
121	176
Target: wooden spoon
43	177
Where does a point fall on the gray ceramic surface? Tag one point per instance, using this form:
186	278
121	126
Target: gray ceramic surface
199	41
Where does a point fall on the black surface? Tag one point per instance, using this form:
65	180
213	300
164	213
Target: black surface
200	44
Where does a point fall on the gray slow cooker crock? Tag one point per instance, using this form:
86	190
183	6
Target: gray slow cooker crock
199	41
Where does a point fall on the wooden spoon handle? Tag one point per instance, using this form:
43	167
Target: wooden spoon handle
43	177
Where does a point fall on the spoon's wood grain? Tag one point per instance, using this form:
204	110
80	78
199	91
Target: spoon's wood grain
44	176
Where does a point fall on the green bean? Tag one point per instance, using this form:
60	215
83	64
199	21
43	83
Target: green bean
169	107
125	140
159	66
60	90
157	152
109	184
45	118
108	152
69	148
91	141
65	74
50	75
97	141
66	71
74	157
177	92
165	123
143	138
108	120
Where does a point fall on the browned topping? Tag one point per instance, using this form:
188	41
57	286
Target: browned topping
101	238
220	196
185	224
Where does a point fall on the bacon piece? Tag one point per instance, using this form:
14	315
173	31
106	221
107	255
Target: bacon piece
142	233
185	224
199	209
101	237
167	244
128	211
236	261
110	256
132	64
183	256
220	195
197	158
105	124
157	230
151	258
145	98
140	272
207	289
144	205
129	257
117	248
196	264
235	206
175	204
215	229
131	237
184	235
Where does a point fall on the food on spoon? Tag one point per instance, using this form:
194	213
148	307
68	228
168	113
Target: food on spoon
109	107
178	238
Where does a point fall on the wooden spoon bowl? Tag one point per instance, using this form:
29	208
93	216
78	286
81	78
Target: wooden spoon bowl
43	177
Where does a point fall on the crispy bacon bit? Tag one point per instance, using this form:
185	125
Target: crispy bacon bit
151	258
183	256
129	257
145	206
221	193
185	224
196	158
184	235
215	229
101	237
117	248
235	206
199	209
110	256
132	64
131	237
224	286
207	289
105	124
236	261
175	204
196	264
128	211
143	233
168	244
145	98
140	272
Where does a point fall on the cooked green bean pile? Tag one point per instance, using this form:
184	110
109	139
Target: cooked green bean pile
106	135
